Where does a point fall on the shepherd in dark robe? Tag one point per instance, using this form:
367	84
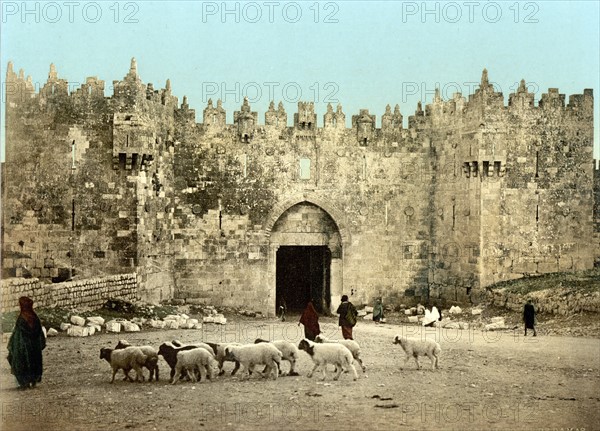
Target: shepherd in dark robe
25	346
347	319
310	320
529	317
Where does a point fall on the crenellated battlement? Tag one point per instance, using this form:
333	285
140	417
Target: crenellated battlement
487	99
131	93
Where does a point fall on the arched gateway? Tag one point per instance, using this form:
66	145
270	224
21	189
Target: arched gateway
305	257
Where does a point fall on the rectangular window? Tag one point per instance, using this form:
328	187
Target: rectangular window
497	168
305	169
486	168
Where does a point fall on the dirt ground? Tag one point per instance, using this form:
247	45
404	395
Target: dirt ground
495	380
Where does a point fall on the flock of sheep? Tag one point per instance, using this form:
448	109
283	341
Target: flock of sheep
200	361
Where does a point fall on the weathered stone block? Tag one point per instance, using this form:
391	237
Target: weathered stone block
113	326
78	331
130	327
77	320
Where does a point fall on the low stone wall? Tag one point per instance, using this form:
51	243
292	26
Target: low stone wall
81	294
554	301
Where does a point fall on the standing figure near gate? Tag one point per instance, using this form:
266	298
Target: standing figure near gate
282	309
348	315
310	320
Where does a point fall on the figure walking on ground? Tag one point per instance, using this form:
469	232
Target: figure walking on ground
529	317
25	346
348	315
310	320
378	310
282	309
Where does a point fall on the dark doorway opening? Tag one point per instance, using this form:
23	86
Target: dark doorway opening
303	272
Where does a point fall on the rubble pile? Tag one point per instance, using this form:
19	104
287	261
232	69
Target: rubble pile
79	326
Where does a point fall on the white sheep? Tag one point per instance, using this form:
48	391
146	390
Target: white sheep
125	359
209	347
151	357
351	345
329	353
221	356
250	355
195	360
289	352
415	348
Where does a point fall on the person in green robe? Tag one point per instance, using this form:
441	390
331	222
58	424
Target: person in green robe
25	346
378	310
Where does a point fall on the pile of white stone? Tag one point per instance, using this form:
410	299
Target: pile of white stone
418	313
80	326
415	314
497	323
85	327
175	321
211	316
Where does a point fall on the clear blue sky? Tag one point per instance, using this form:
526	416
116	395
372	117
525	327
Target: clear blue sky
362	54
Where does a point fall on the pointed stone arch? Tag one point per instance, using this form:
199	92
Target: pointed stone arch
336	214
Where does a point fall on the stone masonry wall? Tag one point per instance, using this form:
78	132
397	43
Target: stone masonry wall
472	192
539	220
555	301
520	200
82	174
227	188
83	295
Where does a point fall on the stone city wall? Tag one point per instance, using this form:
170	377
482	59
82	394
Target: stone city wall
81	294
554	301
